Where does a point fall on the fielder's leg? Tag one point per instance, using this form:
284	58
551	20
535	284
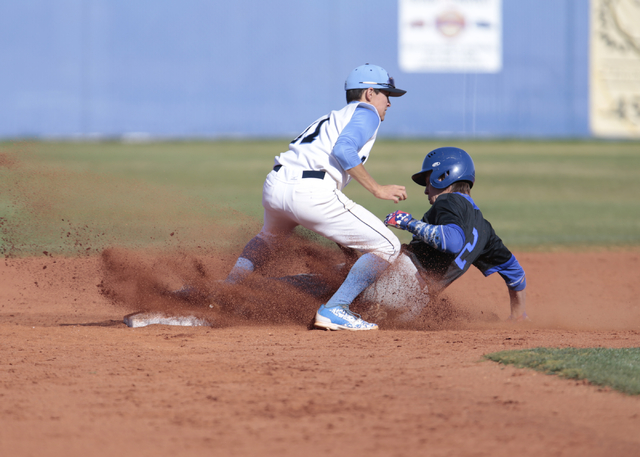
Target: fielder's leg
358	229
254	255
335	314
278	226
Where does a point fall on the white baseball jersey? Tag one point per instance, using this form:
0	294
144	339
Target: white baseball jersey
291	197
312	149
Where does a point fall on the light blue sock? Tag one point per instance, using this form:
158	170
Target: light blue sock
242	269
362	274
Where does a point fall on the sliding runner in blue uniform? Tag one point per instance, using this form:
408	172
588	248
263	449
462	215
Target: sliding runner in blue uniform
453	234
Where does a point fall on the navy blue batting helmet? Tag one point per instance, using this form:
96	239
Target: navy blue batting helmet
448	165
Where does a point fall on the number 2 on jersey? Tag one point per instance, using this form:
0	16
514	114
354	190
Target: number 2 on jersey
469	247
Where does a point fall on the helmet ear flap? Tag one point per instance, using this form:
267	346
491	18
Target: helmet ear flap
439	176
444	176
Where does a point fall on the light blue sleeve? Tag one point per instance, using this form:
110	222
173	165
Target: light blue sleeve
359	130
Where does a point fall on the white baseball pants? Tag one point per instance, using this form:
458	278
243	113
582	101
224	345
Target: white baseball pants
316	204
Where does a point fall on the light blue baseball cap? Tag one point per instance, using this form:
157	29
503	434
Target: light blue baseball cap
372	76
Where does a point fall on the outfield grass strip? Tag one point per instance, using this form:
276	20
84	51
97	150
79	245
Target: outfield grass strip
538	195
615	368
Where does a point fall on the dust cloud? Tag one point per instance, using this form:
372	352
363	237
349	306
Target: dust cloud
149	241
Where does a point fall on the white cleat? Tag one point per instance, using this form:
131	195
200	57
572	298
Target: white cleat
341	318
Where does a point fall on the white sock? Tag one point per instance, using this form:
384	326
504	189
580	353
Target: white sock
243	268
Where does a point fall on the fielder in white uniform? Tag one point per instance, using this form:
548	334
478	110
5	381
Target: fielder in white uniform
305	188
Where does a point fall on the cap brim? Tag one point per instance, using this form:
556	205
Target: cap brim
395	92
420	178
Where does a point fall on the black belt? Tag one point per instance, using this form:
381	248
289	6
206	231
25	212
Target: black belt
306	173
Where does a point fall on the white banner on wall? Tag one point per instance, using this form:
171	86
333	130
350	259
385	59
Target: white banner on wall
615	68
450	36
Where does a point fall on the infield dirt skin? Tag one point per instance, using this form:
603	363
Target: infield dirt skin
76	381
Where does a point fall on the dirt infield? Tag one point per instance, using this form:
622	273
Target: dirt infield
74	380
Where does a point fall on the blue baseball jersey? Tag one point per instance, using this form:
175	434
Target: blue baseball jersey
481	246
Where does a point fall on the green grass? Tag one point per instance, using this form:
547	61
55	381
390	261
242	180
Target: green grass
615	368
538	195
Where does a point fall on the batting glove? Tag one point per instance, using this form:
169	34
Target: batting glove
399	219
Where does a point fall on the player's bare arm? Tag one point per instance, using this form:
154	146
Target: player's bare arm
388	192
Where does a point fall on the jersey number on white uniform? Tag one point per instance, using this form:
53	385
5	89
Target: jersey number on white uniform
312	136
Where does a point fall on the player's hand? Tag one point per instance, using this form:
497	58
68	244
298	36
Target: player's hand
391	192
399	219
388	192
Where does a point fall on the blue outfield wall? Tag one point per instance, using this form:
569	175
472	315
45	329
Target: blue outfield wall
211	69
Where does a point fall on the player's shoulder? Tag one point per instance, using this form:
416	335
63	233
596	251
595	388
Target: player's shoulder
355	109
365	105
454	199
463	200
365	109
365	113
457	205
